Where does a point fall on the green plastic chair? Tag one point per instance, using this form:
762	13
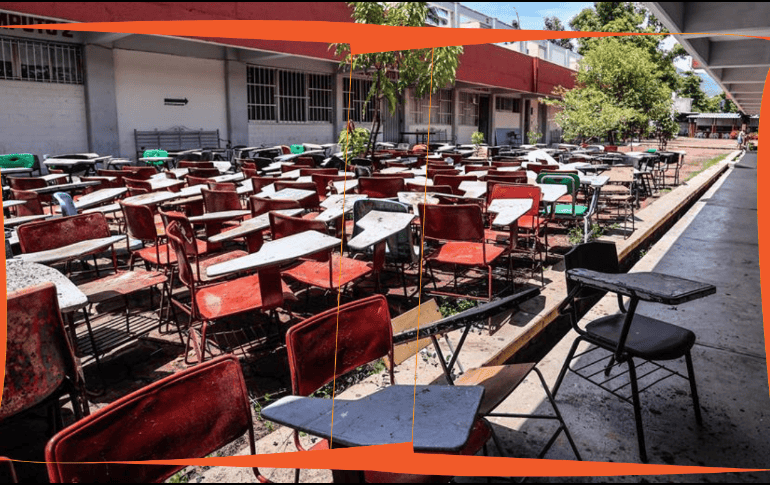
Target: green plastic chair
297	149
155	153
572	181
17	160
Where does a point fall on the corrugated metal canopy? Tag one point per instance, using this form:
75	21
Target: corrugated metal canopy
713	29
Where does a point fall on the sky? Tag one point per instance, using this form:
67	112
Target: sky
531	15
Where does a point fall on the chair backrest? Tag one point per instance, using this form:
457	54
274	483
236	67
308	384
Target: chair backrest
404	175
33	206
506	163
191	246
203	172
220	200
180	237
38	356
304	161
260	205
103	184
191	414
462	222
306	172
381	187
599	256
537	168
259	183
432	172
119	174
453	181
508	191
191	180
63	231
322	181
140	222
249	172
283	225
65	203
222	186
133	183
191	164
570	180
289	167
140	173
246	163
27	183
475	168
400	244
311	343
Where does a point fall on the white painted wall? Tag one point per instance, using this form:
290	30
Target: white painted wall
464	134
144	79
289	134
42	118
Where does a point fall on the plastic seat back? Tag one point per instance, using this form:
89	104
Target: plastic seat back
220	200
192	180
599	256
361	333
140	173
189	414
63	231
38	356
65	203
307	172
380	187
222	186
190	246
462	222
259	183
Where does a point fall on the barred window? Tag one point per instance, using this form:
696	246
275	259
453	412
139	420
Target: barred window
287	96
40	61
469	109
355	100
439	114
512	105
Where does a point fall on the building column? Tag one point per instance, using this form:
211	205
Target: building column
101	103
237	102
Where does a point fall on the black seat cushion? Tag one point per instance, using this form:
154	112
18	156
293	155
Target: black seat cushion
648	338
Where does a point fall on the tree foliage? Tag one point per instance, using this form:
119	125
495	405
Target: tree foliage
629	17
393	72
690	86
618	89
553	23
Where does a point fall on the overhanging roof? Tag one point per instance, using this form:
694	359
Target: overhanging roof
738	64
718	116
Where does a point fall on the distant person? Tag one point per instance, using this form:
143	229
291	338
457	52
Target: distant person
741	139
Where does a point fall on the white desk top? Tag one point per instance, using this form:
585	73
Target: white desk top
509	210
72	251
22	274
99	197
259	223
277	252
378	226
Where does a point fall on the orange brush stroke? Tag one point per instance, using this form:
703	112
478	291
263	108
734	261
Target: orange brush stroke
365	38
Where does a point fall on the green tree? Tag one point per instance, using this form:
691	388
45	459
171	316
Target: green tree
412	67
618	89
629	17
553	23
690	86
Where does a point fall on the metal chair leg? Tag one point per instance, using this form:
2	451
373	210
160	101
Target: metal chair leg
556	411
565	367
637	410
693	388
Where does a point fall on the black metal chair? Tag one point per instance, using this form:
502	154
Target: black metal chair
624	336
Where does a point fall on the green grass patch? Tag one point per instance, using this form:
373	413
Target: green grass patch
706	165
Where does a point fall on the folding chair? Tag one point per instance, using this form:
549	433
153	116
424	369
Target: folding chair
157	422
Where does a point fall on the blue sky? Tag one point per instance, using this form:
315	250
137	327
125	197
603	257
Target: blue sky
531	15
